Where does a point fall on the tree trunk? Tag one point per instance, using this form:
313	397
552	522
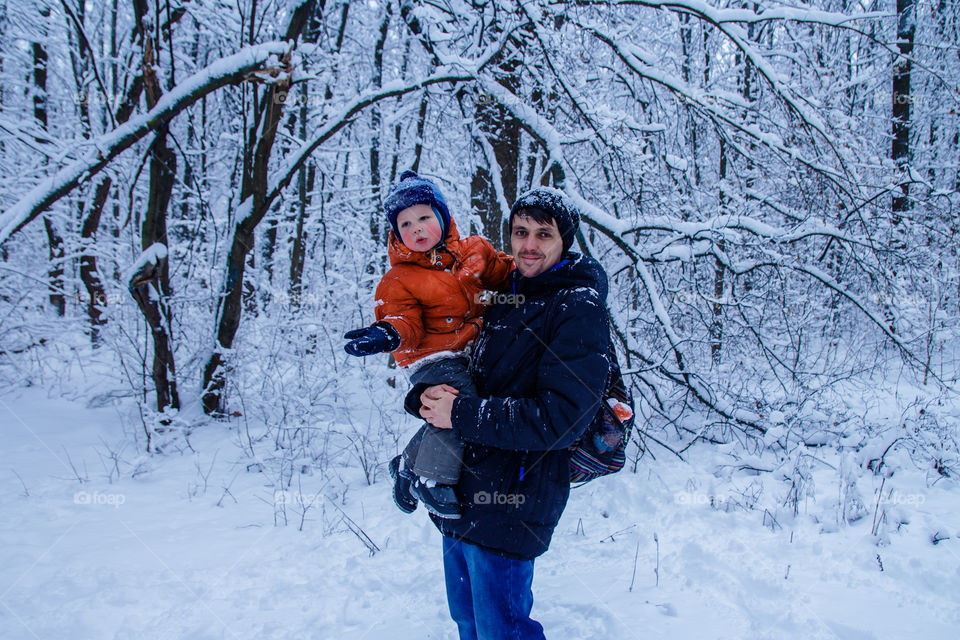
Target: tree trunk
344	13
89	273
686	68
378	228
307	174
96	295
80	65
144	286
421	123
501	131
150	286
719	272
89	222
55	274
305	180
268	248
900	147
54	239
305	184
956	150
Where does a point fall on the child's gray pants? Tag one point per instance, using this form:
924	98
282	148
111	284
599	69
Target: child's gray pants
436	454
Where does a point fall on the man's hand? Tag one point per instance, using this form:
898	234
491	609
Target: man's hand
437	404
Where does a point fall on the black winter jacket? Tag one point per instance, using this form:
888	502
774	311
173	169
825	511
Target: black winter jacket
540	366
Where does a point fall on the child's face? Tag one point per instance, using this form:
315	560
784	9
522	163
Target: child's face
419	228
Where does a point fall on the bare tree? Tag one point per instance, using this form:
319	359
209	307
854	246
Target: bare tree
254	195
900	146
150	283
54	238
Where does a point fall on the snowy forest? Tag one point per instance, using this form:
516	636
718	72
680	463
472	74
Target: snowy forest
191	216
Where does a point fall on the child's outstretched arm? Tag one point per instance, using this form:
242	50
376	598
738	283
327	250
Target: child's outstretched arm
498	266
399	322
396	307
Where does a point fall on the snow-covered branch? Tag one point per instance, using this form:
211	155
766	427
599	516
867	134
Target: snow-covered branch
642	63
229	70
745	16
292	163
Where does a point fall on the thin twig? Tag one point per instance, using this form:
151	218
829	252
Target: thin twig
656	571
356	529
72	466
26	492
876	509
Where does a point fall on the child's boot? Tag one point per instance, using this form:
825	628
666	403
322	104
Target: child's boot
439	499
402	480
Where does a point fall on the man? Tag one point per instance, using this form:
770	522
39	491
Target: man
539	365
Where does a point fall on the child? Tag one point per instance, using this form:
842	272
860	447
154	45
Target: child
428	312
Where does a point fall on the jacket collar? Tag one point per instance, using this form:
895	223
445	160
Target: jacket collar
573	270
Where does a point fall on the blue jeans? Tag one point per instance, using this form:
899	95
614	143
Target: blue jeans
490	597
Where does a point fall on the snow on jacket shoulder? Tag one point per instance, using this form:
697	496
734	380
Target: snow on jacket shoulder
431	298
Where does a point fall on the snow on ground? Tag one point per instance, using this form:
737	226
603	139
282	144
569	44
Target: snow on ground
159	552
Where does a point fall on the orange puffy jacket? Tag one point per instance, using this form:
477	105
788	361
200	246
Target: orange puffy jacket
431	298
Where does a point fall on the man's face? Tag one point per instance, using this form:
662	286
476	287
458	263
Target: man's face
419	228
536	246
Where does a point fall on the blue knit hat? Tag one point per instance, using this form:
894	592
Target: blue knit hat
412	190
557	205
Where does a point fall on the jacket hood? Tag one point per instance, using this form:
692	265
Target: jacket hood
399	253
574	270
